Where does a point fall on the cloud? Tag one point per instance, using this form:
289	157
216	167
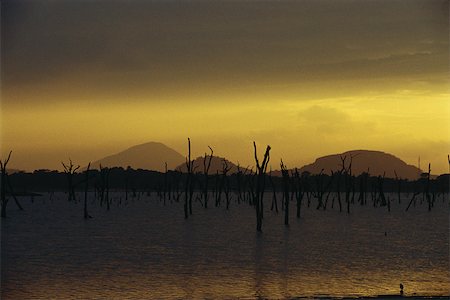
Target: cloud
219	45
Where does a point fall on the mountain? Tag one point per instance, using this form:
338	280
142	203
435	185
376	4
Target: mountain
376	161
12	171
149	156
216	165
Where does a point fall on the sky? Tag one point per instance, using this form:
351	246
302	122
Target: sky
86	79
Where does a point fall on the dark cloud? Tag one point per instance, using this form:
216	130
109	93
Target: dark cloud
159	44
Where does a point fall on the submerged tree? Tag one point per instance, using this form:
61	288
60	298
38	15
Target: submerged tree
240	183
261	170
348	179
206	165
285	174
274	193
3	198
86	189
226	182
426	190
104	187
70	171
188	189
399	186
299	191
320	189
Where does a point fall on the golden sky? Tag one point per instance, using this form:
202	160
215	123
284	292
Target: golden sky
86	79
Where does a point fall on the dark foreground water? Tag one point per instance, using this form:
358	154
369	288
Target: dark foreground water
146	250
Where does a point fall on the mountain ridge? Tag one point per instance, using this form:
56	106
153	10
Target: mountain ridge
150	155
154	155
376	163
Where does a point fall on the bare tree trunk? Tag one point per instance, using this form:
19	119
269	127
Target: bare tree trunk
188	189
206	167
259	192
274	196
285	174
11	191
86	189
3	199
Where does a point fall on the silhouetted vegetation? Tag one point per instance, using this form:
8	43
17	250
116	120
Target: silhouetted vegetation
70	171
189	186
206	166
86	191
260	185
6	187
243	186
286	188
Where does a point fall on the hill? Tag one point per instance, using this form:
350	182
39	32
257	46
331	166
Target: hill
149	156
376	162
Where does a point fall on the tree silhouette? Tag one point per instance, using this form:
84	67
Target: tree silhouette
226	182
285	174
399	186
274	193
104	187
299	191
3	198
188	189
206	165
260	183
86	189
70	171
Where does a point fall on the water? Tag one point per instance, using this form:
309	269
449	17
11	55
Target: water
147	250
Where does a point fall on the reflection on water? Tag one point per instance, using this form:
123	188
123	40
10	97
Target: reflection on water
147	250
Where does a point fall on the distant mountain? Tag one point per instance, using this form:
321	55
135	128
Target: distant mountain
216	165
376	162
12	171
149	156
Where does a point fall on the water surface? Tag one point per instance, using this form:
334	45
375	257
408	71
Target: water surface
146	249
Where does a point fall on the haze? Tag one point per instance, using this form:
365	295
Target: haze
86	79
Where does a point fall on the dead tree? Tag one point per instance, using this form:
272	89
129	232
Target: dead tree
3	198
206	165
126	187
338	174
241	183
426	191
219	188
347	171
177	192
329	188
86	189
399	186
285	174
274	193
188	189
6	183
11	192
70	171
363	178
413	199
320	189
299	191
260	183
251	188
165	187
226	182
104	187
381	196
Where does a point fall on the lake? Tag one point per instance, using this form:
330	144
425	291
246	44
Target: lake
144	249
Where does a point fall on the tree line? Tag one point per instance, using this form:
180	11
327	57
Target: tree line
253	186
